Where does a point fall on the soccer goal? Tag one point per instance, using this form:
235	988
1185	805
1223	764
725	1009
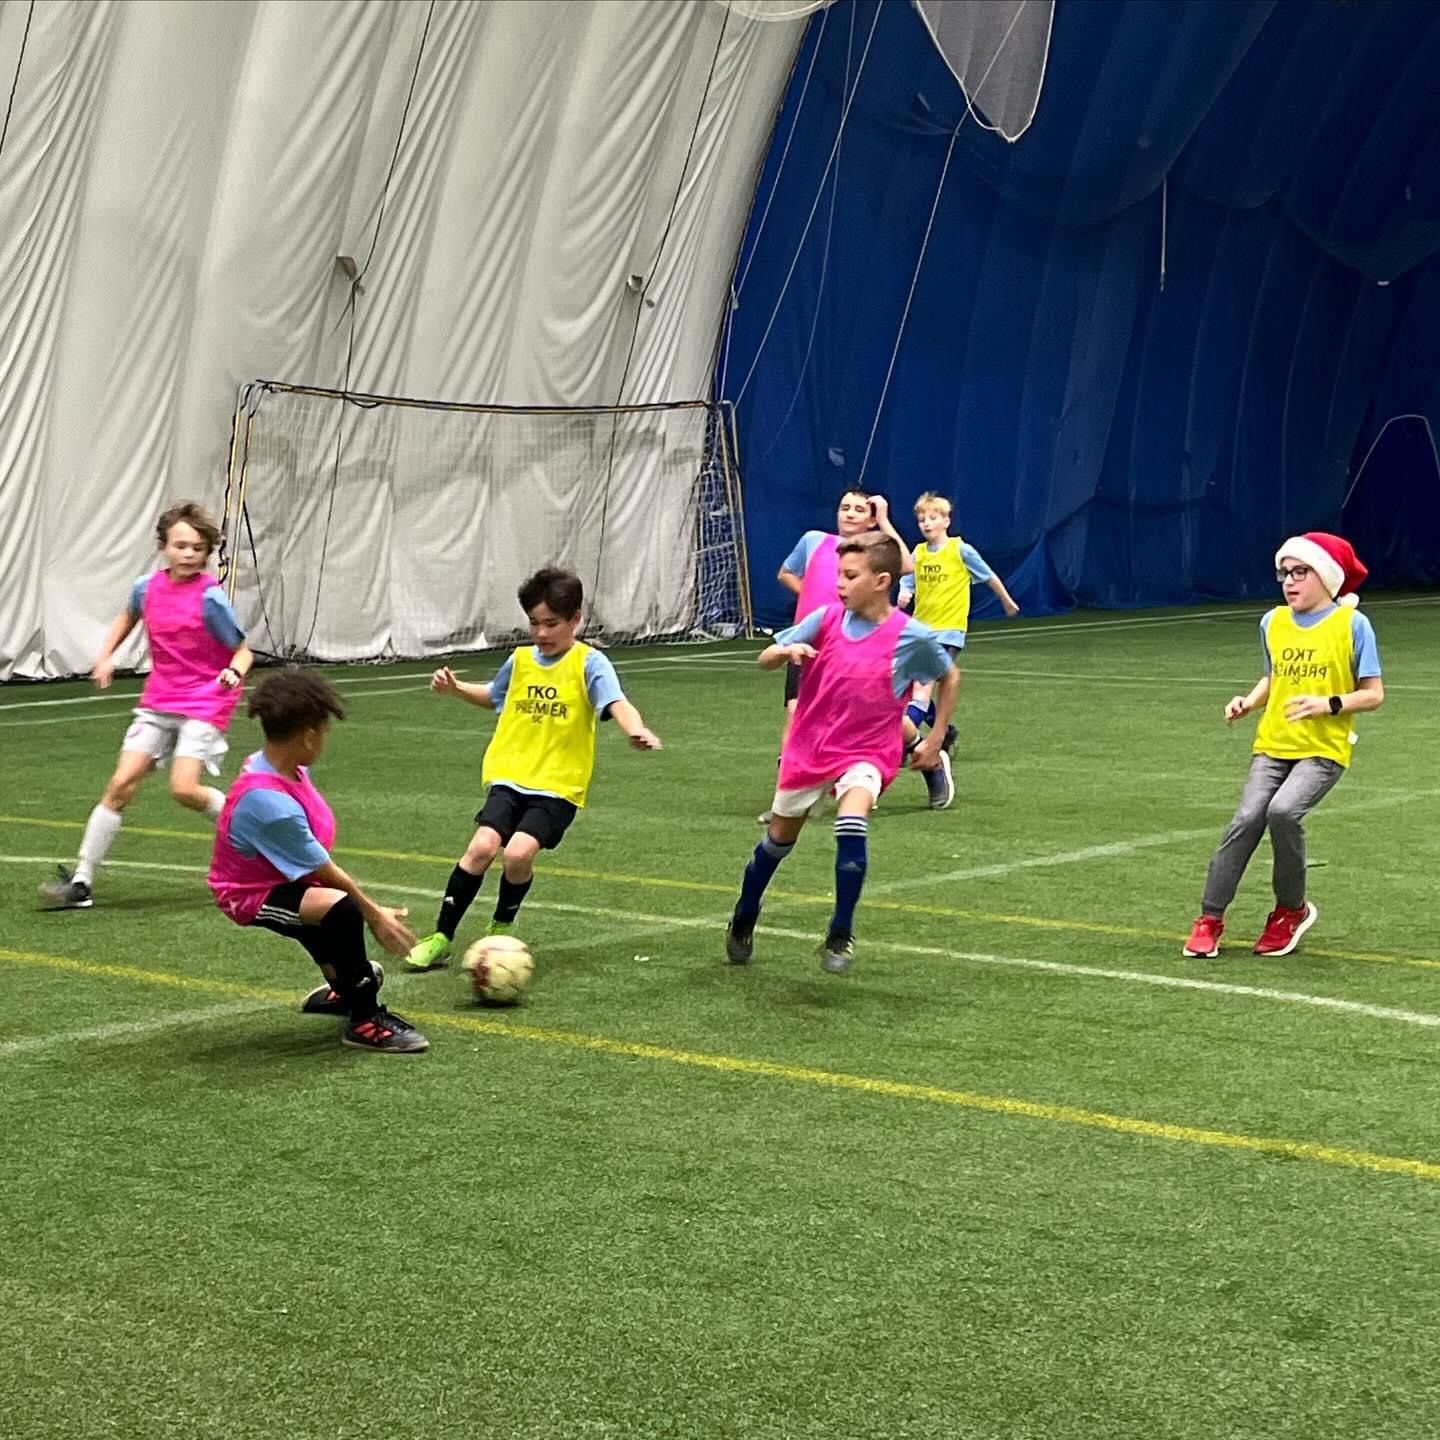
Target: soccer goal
370	527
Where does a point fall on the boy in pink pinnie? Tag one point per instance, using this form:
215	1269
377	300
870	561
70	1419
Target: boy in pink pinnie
199	660
271	867
861	656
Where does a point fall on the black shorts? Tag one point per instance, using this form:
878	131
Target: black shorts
792	683
281	910
509	812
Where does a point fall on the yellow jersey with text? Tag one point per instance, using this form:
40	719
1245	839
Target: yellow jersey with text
942	586
1318	660
546	736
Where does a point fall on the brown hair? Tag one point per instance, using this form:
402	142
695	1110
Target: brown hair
881	553
187	512
290	701
560	590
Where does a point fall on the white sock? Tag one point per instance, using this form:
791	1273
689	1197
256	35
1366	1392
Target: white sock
100	831
214	802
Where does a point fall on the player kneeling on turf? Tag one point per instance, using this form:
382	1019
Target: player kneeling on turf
272	868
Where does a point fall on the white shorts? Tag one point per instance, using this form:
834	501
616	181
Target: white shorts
164	736
793	803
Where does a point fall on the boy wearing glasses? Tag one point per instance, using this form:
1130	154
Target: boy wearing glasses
1321	667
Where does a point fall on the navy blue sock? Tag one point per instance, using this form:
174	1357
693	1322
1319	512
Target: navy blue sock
915	713
851	859
763	864
930	714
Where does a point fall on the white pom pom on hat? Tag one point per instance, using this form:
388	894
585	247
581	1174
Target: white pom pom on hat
1332	558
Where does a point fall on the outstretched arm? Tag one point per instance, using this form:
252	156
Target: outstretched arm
119	632
445	682
627	717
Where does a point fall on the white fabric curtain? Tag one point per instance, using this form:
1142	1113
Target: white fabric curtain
179	178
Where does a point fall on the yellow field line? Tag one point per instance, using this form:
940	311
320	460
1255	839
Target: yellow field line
798	1074
795	897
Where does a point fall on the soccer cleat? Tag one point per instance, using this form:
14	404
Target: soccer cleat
948	743
431	953
740	939
1283	929
327	1000
837	954
940	784
500	927
386	1033
1204	941
65	892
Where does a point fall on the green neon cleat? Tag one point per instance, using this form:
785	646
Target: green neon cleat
432	953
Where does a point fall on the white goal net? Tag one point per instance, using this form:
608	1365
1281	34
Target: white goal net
366	527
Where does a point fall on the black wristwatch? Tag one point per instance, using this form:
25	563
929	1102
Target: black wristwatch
1336	704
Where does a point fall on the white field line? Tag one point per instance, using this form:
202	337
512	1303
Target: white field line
747	657
1116	848
641	923
130	1029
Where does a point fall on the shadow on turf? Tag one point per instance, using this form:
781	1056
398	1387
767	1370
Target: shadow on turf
267	1047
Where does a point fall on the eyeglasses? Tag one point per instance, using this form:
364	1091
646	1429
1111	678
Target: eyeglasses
1293	572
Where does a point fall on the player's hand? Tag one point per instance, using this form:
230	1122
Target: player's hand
926	755
229	678
103	673
1236	709
1011	609
389	928
645	740
1307	707
443	681
906	600
800	652
880	508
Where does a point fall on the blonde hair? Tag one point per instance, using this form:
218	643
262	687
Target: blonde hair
930	500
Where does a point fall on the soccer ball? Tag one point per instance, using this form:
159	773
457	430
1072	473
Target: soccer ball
499	967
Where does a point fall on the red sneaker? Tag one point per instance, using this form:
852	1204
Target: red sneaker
1204	941
1284	928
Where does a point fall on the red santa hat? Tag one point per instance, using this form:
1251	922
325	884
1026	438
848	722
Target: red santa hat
1332	558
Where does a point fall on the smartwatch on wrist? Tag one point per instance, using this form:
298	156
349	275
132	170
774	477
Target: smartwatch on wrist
1337	704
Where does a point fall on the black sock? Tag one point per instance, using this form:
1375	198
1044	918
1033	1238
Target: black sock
342	934
511	894
460	890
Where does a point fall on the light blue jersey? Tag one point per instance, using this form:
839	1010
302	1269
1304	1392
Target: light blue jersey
273	824
1362	633
919	655
217	612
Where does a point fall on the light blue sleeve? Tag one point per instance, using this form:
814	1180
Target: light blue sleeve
602	684
803	632
136	603
1367	651
267	823
1265	639
796	561
500	685
907	583
220	618
919	656
975	563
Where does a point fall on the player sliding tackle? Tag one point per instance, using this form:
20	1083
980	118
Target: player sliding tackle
861	657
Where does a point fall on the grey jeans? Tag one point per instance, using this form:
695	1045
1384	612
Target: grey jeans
1278	794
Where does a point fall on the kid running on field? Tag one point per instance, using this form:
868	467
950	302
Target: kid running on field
938	594
538	764
199	660
861	657
1321	666
811	569
271	867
